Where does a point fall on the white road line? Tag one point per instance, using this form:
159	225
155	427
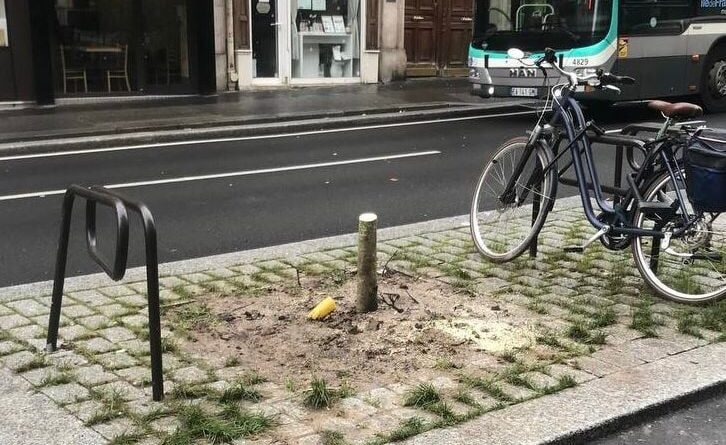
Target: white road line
251	138
231	174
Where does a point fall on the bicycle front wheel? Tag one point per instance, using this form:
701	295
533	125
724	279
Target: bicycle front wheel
692	269
503	226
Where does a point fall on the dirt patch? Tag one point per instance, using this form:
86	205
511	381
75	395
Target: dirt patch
420	325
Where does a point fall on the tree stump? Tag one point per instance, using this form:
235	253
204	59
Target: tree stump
367	298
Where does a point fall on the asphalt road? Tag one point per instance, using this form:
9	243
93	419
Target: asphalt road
701	424
223	196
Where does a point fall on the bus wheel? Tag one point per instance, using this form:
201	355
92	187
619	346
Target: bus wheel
713	85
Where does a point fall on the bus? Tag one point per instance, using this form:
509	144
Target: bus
639	38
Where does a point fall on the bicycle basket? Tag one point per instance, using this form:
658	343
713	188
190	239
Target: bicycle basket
706	170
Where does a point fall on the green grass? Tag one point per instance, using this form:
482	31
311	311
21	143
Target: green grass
194	316
126	439
319	395
687	322
537	307
189	391
643	319
328	437
232	423
240	391
231	362
112	406
407	428
603	317
465	397
487	385
713	317
422	396
57	379
563	382
583	333
549	339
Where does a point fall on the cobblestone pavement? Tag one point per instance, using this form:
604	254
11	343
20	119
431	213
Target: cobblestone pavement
592	313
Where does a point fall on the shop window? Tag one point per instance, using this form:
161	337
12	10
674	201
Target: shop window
3	25
121	47
325	38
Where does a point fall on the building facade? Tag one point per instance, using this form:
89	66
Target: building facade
52	49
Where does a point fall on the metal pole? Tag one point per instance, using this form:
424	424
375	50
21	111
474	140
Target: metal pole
60	272
152	288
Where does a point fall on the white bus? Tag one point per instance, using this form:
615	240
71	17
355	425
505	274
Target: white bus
684	38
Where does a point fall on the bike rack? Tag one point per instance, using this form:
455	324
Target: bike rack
115	270
626	139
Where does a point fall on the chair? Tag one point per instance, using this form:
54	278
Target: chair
121	73
72	73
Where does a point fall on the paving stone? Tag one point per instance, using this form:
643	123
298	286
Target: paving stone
135	301
97	345
117	360
67	393
37	376
541	381
443	383
84	410
8	347
18	360
93	375
117	334
91	298
403	414
145	406
165	425
95	322
221	273
42	321
135	347
313	439
651	349
621	359
293	431
4	310
116	428
196	278
517	393
484	400
270	277
76	311
28	307
73	332
171	282
190	375
594	366
116	291
27	332
355	408
66	359
247	269
12	321
114	310
385	398
685	341
290	408
125	390
137	375
580	376
135	321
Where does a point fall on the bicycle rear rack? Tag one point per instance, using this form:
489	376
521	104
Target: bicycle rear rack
115	270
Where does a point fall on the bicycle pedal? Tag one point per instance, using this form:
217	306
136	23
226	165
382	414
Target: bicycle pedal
592	239
574	249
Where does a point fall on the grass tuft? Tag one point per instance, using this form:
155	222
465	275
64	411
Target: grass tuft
319	395
232	423
422	396
329	437
240	391
644	321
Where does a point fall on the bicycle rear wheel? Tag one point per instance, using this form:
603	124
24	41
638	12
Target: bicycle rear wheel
693	268
503	228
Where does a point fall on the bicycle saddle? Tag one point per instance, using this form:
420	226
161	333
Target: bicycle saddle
678	110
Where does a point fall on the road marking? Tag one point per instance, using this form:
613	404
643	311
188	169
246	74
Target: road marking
231	174
251	138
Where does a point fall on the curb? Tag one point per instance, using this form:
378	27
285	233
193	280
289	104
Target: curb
598	407
255	127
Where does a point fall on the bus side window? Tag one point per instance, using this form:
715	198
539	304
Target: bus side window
645	17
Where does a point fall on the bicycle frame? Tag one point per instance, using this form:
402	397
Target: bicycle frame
569	116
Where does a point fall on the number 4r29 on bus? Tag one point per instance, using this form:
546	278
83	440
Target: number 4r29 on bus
671	47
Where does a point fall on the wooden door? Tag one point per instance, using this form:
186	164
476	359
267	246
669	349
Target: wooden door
437	36
421	37
456	33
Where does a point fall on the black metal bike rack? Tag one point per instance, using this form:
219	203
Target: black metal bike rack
626	143
116	269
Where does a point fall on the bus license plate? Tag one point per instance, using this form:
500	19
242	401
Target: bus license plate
524	92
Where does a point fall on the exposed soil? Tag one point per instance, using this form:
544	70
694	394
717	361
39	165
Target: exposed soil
428	321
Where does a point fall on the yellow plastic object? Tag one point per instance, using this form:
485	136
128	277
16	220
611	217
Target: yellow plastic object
323	309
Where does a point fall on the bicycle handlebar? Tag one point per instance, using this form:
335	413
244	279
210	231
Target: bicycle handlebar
603	78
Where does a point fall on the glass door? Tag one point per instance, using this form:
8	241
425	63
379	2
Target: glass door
266	28
165	44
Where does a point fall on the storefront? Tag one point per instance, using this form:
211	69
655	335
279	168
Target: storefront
106	48
301	42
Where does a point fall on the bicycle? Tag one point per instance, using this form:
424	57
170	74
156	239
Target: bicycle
679	251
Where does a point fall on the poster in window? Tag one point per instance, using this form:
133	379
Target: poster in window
327	23
304	4
319	5
339	24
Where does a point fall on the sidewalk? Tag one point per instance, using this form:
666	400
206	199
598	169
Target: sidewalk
461	351
423	98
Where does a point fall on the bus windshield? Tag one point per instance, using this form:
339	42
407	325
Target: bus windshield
536	24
